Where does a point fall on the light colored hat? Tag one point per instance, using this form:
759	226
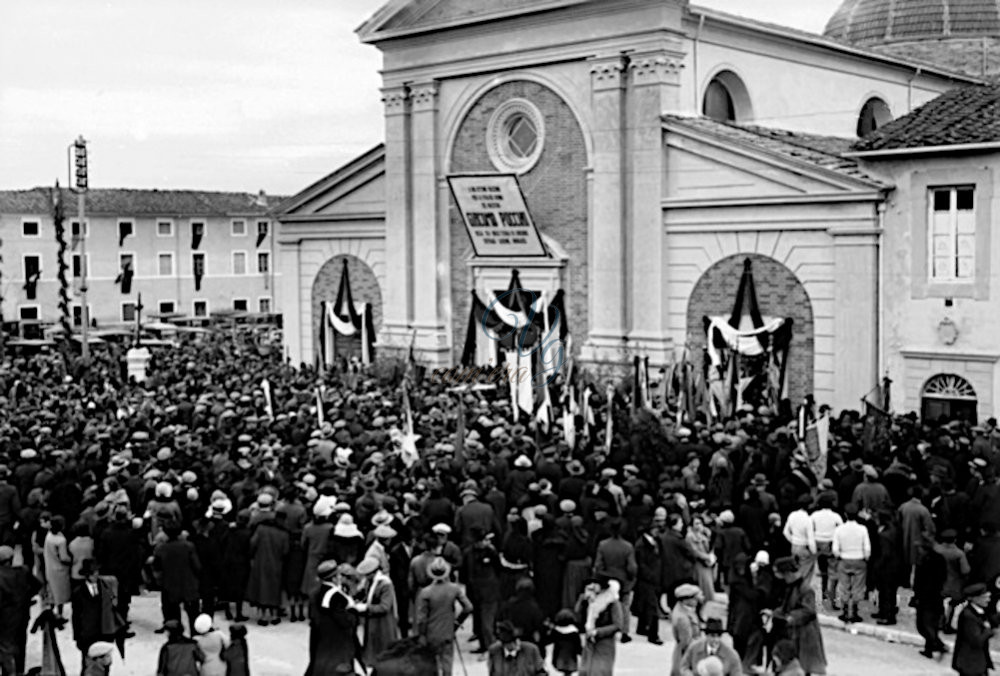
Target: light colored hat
368	566
189	477
265	500
522	462
326	569
567	506
203	624
384	531
381	518
441	529
346	528
762	558
163	454
164	489
609	472
29	454
100	649
870	471
727	516
323	509
687	591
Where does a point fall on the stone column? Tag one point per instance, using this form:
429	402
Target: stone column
654	89
430	278
398	292
606	242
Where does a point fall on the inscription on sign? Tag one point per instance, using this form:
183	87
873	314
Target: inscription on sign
496	216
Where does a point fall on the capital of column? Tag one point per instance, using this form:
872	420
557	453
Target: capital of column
424	96
656	68
606	73
395	99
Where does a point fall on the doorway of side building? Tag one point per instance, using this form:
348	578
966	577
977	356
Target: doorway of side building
947	397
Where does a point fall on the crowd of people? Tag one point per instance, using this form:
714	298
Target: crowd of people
241	487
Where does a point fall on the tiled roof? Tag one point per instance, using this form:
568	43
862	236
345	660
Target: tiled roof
969	114
128	202
824	152
977	57
879	21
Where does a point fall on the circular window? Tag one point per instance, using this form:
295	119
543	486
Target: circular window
515	136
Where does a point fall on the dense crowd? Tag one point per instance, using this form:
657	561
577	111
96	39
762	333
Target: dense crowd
295	500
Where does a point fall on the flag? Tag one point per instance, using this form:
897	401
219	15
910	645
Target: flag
569	419
319	408
408	441
269	406
543	417
877	421
817	441
609	424
587	412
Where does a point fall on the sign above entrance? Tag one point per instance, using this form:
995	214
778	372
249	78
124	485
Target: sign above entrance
496	216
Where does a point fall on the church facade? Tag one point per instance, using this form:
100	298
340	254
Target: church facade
659	147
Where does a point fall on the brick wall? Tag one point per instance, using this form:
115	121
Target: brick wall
364	289
779	294
555	190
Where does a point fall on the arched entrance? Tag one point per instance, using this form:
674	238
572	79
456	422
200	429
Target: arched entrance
364	289
779	294
947	397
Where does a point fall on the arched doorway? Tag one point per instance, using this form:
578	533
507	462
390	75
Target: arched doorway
364	289
779	294
947	397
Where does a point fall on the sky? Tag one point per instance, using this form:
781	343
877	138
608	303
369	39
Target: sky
241	95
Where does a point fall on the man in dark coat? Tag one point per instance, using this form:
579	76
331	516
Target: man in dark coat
118	549
473	514
178	562
795	618
333	641
886	567
972	643
482	571
927	580
94	602
616	559
17	587
646	601
678	557
10	506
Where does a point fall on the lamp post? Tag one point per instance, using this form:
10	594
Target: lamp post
80	161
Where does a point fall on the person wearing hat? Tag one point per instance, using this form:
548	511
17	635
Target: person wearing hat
180	655
600	608
94	602
974	631
795	617
212	643
474	514
347	543
443	545
711	645
511	656
684	622
957	570
382	537
615	557
482	570
176	560
871	494
380	624
518	479
98	659
17	589
917	527
435	620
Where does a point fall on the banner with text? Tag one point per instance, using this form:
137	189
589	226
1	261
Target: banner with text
496	215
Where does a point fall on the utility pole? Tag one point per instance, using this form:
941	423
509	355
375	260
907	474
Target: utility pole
80	156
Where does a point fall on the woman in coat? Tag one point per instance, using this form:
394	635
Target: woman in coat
795	618
315	542
746	601
381	628
685	622
213	644
700	538
268	548
236	562
601	614
81	547
334	623
57	561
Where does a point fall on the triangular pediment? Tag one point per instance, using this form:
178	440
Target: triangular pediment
355	189
407	17
711	161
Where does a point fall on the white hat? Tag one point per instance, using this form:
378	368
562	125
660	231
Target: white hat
29	454
441	529
727	516
368	566
346	528
203	624
522	461
164	489
762	558
100	649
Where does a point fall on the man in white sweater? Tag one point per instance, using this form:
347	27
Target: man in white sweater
801	534
825	523
852	548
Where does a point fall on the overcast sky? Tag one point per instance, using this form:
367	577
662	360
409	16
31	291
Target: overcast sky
207	94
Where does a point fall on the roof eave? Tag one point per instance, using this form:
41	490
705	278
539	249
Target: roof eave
924	150
828	43
370	34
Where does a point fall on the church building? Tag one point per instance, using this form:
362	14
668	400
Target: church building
662	150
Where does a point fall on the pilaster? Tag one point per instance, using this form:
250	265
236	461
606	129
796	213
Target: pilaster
430	278
653	89
607	244
398	291
855	315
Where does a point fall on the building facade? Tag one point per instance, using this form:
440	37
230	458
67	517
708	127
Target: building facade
658	145
190	253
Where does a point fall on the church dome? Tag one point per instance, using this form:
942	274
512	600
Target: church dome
879	22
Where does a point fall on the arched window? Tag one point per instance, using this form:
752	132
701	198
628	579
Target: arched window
948	397
726	99
874	114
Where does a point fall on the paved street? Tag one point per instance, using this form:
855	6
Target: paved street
282	650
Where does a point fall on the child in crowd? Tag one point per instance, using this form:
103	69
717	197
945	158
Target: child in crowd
566	644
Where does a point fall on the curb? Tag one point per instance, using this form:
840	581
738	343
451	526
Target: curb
887	634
